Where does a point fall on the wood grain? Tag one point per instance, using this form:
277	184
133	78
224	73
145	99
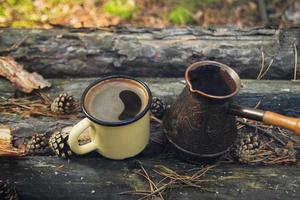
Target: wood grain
149	52
98	178
90	177
276	119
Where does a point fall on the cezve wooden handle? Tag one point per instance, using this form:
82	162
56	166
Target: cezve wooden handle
290	123
267	117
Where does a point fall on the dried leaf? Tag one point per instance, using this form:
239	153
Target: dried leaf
23	80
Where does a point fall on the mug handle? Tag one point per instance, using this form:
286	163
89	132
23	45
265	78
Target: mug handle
74	135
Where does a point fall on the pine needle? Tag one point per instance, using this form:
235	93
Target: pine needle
170	179
295	61
262	64
263	72
30	106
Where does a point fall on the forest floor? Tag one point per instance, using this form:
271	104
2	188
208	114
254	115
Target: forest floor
148	13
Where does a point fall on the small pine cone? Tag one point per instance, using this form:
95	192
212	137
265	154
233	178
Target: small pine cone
7	191
63	104
157	107
38	144
59	144
247	148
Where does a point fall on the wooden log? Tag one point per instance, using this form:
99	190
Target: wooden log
48	177
277	96
150	52
98	178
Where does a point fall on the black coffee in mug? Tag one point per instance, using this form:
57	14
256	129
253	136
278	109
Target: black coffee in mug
115	100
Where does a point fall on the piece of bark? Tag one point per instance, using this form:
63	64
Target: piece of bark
23	80
6	147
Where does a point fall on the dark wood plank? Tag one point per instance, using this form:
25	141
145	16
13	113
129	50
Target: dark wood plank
278	96
99	178
150	52
48	177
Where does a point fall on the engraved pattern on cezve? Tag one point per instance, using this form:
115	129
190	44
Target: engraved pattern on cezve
198	126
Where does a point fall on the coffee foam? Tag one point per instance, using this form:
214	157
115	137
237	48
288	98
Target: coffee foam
103	100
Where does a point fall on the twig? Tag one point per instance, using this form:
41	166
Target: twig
18	44
156	119
147	177
151	183
43	96
171	179
295	60
159	190
201	173
257	104
290	137
267	69
263	72
262	64
141	192
264	131
15	45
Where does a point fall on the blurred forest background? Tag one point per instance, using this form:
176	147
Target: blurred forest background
148	13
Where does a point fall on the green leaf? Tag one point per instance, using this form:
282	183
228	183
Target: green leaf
180	16
21	6
122	8
2	12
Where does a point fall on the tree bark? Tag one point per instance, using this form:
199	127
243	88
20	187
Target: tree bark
150	52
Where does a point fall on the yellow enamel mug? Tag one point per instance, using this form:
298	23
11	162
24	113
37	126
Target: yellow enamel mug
117	118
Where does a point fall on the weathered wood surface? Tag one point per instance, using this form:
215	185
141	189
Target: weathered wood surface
150	52
278	96
98	178
48	177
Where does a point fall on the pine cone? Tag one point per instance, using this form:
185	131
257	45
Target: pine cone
59	143
7	191
157	107
247	148
38	144
63	104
